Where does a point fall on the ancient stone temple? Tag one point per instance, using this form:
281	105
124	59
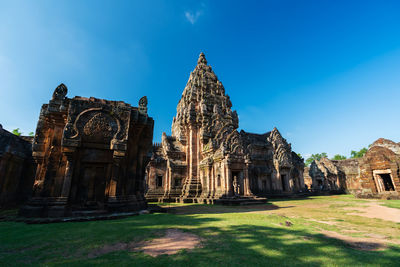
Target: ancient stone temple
207	159
91	156
376	174
17	168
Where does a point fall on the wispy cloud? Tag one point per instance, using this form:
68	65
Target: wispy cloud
192	17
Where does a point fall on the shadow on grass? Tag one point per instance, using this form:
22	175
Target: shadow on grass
220	209
226	242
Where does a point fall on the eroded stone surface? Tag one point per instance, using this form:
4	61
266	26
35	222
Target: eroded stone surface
17	168
376	174
91	156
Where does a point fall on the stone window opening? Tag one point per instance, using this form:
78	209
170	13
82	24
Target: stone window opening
159	181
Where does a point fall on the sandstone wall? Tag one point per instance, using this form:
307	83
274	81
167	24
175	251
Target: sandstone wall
17	168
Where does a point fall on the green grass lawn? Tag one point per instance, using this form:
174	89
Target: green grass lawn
231	236
392	203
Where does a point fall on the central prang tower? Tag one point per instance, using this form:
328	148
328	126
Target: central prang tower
207	159
203	118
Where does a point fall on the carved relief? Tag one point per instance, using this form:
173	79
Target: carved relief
205	141
60	92
99	128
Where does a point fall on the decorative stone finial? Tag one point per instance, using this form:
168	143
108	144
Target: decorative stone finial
143	105
202	59
60	92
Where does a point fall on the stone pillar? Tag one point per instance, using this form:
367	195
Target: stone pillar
112	187
38	183
212	181
246	181
69	169
229	181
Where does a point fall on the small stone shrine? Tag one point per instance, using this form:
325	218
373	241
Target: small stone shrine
91	156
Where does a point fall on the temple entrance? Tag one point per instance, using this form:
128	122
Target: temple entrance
159	181
92	185
386	182
283	180
237	183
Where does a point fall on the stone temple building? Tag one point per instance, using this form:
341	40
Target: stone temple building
375	175
17	168
207	159
91	156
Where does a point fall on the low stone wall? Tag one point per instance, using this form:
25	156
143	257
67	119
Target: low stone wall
17	168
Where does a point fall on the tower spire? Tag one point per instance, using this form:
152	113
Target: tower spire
202	59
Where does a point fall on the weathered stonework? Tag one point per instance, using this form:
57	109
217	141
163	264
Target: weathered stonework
91	156
326	176
206	158
376	174
17	168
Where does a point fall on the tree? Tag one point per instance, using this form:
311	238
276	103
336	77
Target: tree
32	134
16	132
358	154
338	157
315	157
298	154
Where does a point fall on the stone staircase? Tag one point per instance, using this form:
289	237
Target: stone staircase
191	190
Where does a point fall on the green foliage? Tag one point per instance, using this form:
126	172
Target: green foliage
338	157
16	132
32	134
315	157
300	156
358	154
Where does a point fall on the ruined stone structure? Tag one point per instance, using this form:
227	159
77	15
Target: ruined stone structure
17	168
376	174
207	159
326	175
91	156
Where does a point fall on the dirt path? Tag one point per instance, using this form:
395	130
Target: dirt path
377	243
374	210
173	241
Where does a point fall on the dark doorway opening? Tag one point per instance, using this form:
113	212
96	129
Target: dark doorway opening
264	186
177	182
159	182
387	181
92	185
283	180
219	180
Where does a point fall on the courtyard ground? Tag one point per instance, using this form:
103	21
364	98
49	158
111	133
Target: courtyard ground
316	231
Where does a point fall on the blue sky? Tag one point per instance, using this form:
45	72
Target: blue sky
325	73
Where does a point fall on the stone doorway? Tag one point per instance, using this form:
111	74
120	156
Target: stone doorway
237	183
387	182
383	180
159	181
92	186
284	183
